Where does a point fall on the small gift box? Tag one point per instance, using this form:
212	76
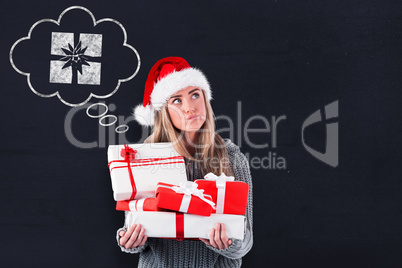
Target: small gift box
181	225
184	198
143	204
230	196
135	169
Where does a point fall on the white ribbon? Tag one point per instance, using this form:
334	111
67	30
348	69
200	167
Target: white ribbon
189	188
137	205
221	185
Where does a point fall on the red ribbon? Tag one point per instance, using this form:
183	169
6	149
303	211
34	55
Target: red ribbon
179	226
139	162
149	161
129	155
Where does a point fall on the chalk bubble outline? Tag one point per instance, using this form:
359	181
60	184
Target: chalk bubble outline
121	131
99	115
108	116
28	75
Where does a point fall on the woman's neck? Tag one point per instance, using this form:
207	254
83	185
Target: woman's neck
190	140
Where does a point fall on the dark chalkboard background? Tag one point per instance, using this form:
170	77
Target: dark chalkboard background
271	58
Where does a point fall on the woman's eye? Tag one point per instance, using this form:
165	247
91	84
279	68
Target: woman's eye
176	101
196	96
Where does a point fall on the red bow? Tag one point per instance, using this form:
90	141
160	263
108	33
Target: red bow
128	153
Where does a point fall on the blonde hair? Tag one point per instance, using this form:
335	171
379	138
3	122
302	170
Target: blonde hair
210	149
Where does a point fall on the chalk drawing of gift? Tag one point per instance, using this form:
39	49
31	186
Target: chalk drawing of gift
75	62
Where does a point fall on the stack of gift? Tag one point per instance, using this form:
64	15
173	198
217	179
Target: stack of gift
136	169
149	181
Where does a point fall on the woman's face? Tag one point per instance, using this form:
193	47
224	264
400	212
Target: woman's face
187	109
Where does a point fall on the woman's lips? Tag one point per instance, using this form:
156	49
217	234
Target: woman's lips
192	117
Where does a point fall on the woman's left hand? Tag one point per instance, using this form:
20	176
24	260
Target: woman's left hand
217	237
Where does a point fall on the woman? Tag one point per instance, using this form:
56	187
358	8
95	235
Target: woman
177	103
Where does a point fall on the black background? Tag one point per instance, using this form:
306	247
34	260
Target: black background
275	58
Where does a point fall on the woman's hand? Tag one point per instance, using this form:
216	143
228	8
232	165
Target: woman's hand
134	237
217	237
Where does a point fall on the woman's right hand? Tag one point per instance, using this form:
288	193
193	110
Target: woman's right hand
134	237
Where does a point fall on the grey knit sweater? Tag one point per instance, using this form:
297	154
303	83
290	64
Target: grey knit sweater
191	253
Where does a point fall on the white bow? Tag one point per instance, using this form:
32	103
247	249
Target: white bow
220	180
189	188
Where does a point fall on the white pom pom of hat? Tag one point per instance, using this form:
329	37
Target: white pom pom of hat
144	115
168	76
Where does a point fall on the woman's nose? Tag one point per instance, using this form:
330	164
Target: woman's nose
187	107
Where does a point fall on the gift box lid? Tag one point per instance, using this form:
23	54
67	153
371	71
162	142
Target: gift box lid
143	150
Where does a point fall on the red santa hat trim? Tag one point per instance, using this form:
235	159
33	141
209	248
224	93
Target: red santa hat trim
166	77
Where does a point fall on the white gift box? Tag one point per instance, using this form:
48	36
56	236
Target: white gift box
170	225
149	164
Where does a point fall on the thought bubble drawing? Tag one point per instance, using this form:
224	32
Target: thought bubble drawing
75	57
102	116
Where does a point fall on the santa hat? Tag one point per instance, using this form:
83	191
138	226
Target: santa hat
166	77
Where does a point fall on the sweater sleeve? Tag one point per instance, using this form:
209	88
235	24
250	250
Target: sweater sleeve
241	172
128	250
